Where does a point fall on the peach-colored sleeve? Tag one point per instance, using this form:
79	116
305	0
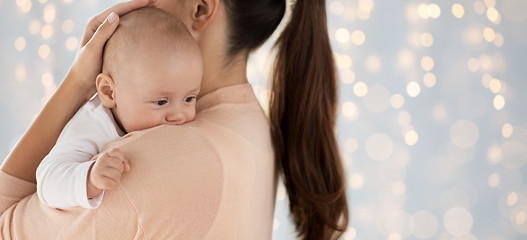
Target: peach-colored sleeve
13	189
26	217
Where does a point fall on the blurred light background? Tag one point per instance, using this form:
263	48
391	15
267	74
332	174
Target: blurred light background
432	118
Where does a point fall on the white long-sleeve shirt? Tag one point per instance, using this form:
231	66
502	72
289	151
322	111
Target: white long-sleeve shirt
62	175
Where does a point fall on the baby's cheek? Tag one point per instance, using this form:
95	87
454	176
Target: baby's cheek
145	123
192	115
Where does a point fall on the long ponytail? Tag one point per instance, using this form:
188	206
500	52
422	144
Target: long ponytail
302	109
303	114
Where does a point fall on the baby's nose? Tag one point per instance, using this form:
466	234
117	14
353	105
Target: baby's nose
176	118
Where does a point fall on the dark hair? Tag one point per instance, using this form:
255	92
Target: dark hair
303	108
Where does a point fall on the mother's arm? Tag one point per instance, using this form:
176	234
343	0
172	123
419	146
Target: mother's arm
77	87
75	90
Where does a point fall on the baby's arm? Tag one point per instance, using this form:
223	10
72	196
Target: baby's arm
106	171
62	177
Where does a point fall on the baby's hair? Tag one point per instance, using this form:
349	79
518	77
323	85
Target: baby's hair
142	26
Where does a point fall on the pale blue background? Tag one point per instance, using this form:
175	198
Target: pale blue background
464	178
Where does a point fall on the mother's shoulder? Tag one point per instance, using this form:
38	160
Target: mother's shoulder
179	170
158	135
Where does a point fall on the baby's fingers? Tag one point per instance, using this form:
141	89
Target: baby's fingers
106	183
115	153
126	165
118	154
112	174
112	163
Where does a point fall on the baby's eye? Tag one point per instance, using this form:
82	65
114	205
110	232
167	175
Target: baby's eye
189	99
161	102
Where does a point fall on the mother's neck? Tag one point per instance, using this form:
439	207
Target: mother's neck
218	72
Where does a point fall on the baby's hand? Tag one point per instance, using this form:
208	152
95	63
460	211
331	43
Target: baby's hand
106	172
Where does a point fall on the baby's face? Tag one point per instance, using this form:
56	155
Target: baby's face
158	89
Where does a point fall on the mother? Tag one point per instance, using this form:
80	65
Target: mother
214	178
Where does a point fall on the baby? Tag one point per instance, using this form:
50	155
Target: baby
151	75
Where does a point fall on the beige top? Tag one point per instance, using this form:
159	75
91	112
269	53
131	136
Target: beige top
213	178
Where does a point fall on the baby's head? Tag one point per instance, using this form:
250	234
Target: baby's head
152	70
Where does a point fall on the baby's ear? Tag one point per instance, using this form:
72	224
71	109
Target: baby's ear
106	89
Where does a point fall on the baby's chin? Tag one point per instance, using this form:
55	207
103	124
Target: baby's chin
141	128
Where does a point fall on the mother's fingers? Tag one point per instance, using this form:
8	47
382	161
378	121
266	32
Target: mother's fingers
120	9
103	32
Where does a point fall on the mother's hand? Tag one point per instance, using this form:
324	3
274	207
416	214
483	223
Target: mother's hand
88	62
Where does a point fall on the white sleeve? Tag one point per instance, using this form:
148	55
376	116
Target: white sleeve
62	175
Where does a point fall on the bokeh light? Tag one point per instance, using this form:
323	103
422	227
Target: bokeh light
499	40
494	154
439	111
485	80
336	8
378	99
427	39
49	13
457	10
24	5
347	76
495	85
20	44
512	199
397	101
379	146
20	72
351	145
411	137
458	221
47	31
356	181
344	61
360	89
426	224
427	63
350	234
494	180
34	27
429	79
413	89
479	7
67	26
426	11
499	102
489	34
464	133
373	63
506	130
358	38
404	118
473	64
44	51
349	109
72	43
406	59
342	35
493	15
